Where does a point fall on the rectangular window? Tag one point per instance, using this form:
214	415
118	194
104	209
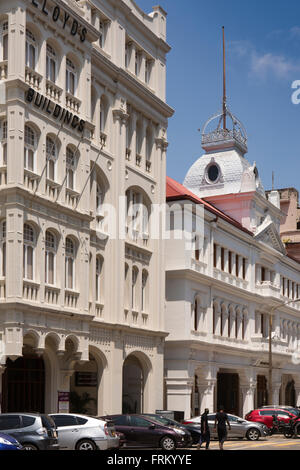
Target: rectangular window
237	265
215	255
230	262
244	268
222	259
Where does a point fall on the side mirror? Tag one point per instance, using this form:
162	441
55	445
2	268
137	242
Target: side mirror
240	421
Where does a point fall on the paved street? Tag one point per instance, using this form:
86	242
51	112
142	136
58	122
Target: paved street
270	443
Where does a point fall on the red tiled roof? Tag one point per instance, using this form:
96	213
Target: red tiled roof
176	191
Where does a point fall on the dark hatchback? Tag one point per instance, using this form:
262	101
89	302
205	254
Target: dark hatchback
192	429
33	431
143	431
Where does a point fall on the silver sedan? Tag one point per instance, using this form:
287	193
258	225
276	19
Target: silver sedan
240	428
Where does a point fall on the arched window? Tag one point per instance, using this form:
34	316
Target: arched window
51	64
4	142
28	252
138	214
144	290
138	137
4	40
3	248
196	314
99	267
133	288
30	50
50	253
70	168
149	144
70	264
51	156
71	77
103	113
29	148
99	199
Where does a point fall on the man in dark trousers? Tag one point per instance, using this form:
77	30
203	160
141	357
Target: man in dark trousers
205	433
221	419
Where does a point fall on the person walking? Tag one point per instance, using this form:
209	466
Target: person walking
205	432
220	422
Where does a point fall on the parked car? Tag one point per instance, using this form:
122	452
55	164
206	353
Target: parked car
288	408
240	428
265	416
8	442
142	431
33	430
80	432
194	432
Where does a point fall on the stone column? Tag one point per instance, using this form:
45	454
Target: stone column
206	392
179	393
207	381
217	321
248	394
225	322
226	261
240	267
297	391
218	256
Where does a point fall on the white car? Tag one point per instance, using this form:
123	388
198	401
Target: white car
240	428
80	432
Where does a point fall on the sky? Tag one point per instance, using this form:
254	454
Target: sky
263	61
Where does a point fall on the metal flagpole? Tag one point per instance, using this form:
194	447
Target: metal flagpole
66	174
47	159
224	81
103	141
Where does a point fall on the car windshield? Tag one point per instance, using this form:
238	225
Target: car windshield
159	419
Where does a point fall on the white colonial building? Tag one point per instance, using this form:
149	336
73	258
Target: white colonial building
83	122
219	295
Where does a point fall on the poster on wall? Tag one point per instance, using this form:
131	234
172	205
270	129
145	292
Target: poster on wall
63	402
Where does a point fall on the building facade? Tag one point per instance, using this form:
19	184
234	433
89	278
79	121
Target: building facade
290	223
83	128
221	292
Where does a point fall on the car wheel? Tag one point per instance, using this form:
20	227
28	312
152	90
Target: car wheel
253	434
167	443
28	446
85	444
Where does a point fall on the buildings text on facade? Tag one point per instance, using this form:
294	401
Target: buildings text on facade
83	123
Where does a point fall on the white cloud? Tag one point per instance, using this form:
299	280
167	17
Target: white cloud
262	65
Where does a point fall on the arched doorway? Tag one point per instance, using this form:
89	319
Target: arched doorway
133	386
290	394
228	392
23	386
84	388
261	391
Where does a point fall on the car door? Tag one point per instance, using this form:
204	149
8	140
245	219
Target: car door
211	424
68	430
144	433
11	424
237	426
122	425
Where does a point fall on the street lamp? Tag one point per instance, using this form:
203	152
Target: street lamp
270	388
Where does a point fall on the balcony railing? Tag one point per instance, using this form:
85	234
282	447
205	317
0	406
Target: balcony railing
33	78
30	290
72	102
53	91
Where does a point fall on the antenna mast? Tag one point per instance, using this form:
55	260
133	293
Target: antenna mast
224	82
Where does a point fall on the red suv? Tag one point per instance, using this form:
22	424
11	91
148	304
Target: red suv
265	415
